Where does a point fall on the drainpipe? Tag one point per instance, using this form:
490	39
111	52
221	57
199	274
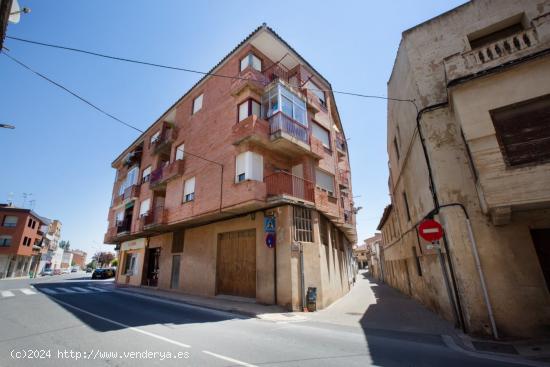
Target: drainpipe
302	282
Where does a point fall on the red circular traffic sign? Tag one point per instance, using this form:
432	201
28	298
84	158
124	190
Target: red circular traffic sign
430	230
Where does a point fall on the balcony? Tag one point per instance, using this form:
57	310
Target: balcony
155	217
133	158
124	226
164	141
493	54
340	144
343	177
129	192
160	177
288	132
283	184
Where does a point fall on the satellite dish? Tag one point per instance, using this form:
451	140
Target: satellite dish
15	12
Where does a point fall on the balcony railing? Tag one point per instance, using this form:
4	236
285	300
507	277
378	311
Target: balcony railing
155	216
281	123
344	177
164	140
283	183
348	217
506	46
167	172
124	225
129	192
340	143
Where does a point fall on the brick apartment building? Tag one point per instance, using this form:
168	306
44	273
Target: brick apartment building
21	232
474	154
79	258
232	158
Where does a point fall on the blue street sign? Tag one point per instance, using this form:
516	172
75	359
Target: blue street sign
269	225
270	240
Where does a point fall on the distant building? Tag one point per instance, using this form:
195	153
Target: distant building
79	258
67	260
53	255
473	151
360	254
21	233
374	256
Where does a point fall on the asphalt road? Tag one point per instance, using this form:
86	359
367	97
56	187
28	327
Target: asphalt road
71	320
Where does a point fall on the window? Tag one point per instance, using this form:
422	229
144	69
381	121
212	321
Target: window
280	99
495	32
130	264
146	175
10	221
396	147
303	231
144	207
26	241
119	217
523	131
249	166
5	240
406	206
318	92
189	190
180	152
323	230
248	108
197	104
324	181
251	60
177	241
322	134
29	223
155	137
33	224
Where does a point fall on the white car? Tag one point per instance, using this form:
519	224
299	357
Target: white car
66	271
47	272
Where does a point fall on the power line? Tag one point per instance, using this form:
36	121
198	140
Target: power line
134	61
71	92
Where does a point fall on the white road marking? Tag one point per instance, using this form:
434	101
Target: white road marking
82	290
7	294
97	289
27	291
229	359
137	330
48	290
66	290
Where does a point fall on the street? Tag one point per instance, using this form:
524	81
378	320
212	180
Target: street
68	319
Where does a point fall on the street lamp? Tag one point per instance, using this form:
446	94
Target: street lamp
7	126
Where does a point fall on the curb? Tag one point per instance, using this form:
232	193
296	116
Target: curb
232	312
452	344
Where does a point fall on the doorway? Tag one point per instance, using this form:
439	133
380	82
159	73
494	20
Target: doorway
541	240
153	259
175	274
236	264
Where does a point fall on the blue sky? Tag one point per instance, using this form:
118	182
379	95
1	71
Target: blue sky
61	149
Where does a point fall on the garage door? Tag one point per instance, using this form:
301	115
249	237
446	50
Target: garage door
236	264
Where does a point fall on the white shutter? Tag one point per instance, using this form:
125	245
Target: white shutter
324	180
146	172
240	165
255	108
180	152
243	110
197	104
131	178
119	216
155	137
321	134
244	63
144	207
257	167
189	186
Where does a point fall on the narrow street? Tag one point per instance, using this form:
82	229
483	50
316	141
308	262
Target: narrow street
99	323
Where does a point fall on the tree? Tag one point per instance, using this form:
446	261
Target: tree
91	264
114	262
65	245
103	258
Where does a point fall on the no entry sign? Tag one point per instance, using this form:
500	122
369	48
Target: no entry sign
430	230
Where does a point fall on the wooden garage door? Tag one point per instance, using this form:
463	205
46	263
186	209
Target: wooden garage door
236	263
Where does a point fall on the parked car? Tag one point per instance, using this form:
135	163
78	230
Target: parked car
66	271
47	272
74	269
89	270
103	273
56	271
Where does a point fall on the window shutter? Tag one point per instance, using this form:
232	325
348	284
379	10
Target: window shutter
324	180
180	150
255	108
240	166
146	172
197	103
145	206
244	63
257	167
321	134
189	187
243	110
256	62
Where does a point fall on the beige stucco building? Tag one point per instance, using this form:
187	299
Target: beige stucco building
470	144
